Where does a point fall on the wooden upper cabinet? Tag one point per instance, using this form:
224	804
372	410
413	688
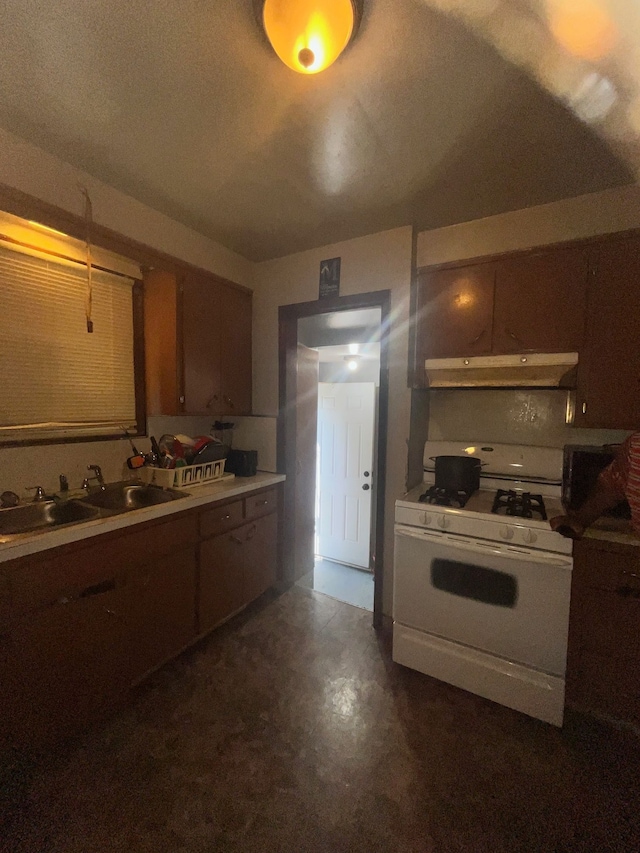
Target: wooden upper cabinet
197	345
608	395
540	302
235	351
454	312
201	345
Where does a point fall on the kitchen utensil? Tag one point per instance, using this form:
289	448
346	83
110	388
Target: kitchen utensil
457	473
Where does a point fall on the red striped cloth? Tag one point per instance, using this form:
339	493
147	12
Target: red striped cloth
623	475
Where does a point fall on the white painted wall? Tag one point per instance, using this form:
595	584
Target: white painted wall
376	262
31	170
570	219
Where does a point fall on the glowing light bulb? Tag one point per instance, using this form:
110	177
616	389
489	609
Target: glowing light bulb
309	35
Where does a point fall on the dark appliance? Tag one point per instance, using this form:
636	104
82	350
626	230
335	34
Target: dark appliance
582	463
242	463
457	473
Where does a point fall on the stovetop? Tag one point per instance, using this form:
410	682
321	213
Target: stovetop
480	504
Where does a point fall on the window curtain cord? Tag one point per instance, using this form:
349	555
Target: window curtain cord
88	219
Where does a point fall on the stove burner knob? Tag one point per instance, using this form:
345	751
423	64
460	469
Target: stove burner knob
506	532
529	537
444	522
426	519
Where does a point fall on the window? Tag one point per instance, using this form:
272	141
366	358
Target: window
57	379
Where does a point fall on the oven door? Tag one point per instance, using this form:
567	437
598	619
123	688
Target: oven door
507	601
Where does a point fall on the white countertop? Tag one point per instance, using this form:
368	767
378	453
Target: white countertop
12	547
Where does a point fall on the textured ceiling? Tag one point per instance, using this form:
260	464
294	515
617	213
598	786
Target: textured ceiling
185	107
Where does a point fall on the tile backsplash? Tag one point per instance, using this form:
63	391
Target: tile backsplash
509	416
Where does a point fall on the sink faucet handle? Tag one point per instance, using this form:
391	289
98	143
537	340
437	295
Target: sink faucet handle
39	493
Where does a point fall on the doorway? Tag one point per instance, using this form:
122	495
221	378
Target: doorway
332	445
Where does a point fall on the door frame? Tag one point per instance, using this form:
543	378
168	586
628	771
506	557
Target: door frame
288	316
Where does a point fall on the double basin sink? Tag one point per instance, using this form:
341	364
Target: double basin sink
113	499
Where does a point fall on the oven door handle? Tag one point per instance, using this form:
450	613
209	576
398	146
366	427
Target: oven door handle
476	546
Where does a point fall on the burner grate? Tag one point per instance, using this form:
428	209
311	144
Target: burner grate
445	497
519	504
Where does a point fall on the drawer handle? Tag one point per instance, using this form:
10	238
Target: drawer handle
252	532
477	338
262	503
631	574
225	517
235	539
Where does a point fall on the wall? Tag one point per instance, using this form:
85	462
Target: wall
333	371
376	262
31	170
570	219
533	417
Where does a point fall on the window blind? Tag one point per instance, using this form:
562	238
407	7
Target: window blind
56	378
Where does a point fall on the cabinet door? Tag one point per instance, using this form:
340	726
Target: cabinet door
201	330
260	553
604	630
163	373
609	371
162	600
454	312
221	578
235	350
540	302
62	667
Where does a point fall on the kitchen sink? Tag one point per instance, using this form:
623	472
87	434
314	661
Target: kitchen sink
119	497
44	515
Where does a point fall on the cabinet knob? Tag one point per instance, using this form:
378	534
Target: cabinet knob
181	398
584	408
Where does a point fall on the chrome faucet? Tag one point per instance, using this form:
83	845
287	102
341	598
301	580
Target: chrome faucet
39	493
97	475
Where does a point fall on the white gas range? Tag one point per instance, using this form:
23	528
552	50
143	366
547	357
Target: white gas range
481	597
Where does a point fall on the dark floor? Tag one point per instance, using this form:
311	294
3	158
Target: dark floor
291	730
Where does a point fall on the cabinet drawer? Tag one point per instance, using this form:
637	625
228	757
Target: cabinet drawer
221	518
42	579
261	504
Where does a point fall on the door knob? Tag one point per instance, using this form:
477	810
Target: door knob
366	487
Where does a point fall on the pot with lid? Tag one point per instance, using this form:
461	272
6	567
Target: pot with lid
457	473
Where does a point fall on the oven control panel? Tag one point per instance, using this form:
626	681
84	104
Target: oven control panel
482	526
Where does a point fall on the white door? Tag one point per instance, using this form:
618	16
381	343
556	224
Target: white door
346	415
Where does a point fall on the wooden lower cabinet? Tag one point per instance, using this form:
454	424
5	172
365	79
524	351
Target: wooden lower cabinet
260	552
61	667
603	664
162	601
79	625
221	579
237	566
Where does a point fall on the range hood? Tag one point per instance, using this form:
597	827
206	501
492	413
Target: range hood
526	370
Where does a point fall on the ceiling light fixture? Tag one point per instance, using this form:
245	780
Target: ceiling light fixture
309	35
353	361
